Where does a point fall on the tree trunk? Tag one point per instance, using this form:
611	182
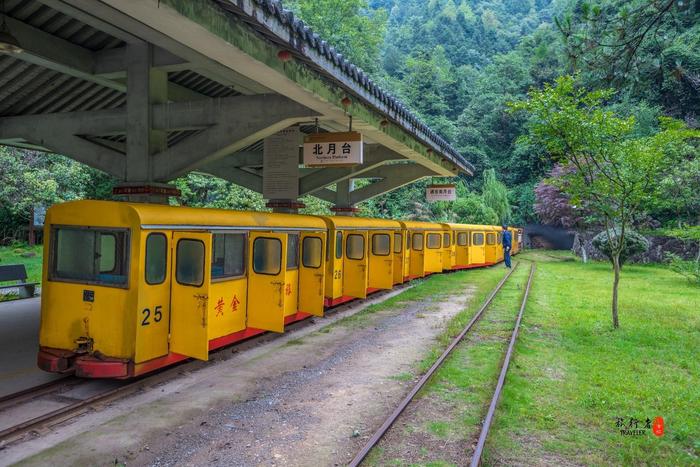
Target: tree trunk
30	236
616	283
578	240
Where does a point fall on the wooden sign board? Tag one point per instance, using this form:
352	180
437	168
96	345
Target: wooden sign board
281	164
441	193
333	149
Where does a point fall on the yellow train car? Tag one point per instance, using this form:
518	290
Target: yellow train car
477	245
491	251
517	234
468	246
426	247
128	288
364	255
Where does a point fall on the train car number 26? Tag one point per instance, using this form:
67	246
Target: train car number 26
157	315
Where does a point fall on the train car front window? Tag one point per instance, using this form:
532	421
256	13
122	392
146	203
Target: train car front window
397	243
433	241
292	251
93	256
228	256
267	256
355	246
338	245
462	239
189	269
311	252
418	241
156	258
447	240
381	245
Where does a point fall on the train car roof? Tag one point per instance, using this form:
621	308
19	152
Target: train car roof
417	225
469	226
359	223
155	216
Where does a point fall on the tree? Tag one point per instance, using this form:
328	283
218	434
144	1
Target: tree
553	206
349	25
495	196
615	172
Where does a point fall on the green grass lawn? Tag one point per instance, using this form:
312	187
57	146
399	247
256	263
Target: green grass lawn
30	257
574	378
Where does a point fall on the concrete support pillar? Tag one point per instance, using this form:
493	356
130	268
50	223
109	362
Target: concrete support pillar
343	207
146	86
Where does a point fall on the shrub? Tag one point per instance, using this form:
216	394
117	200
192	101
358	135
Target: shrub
688	269
634	244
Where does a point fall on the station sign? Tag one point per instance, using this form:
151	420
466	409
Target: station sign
281	164
333	149
441	193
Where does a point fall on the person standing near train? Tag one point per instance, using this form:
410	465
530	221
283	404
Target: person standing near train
507	245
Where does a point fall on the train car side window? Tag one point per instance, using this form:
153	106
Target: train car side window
292	251
189	269
156	258
477	239
499	238
355	247
338	245
87	255
462	239
267	256
490	239
228	256
397	243
446	240
311	249
408	241
381	245
433	241
418	241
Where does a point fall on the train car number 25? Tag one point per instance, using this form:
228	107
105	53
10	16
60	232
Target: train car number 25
157	315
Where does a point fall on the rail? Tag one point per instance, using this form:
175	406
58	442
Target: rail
407	400
478	452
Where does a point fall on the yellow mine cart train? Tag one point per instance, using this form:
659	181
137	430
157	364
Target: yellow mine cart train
130	288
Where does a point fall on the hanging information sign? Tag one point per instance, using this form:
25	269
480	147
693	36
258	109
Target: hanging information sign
336	149
441	193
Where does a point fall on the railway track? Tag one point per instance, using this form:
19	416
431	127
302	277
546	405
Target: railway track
476	457
38	409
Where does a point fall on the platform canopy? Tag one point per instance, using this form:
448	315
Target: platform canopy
150	90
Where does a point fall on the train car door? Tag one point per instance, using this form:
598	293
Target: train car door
398	258
355	264
311	273
267	266
462	249
477	249
189	308
381	260
433	253
417	255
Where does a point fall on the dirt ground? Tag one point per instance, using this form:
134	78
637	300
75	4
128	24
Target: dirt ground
311	400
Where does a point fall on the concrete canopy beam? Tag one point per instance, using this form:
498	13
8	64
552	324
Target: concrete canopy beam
203	27
394	176
106	18
252	119
375	156
239	177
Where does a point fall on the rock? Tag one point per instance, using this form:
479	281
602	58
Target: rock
355	433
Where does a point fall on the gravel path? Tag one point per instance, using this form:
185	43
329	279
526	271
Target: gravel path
313	400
